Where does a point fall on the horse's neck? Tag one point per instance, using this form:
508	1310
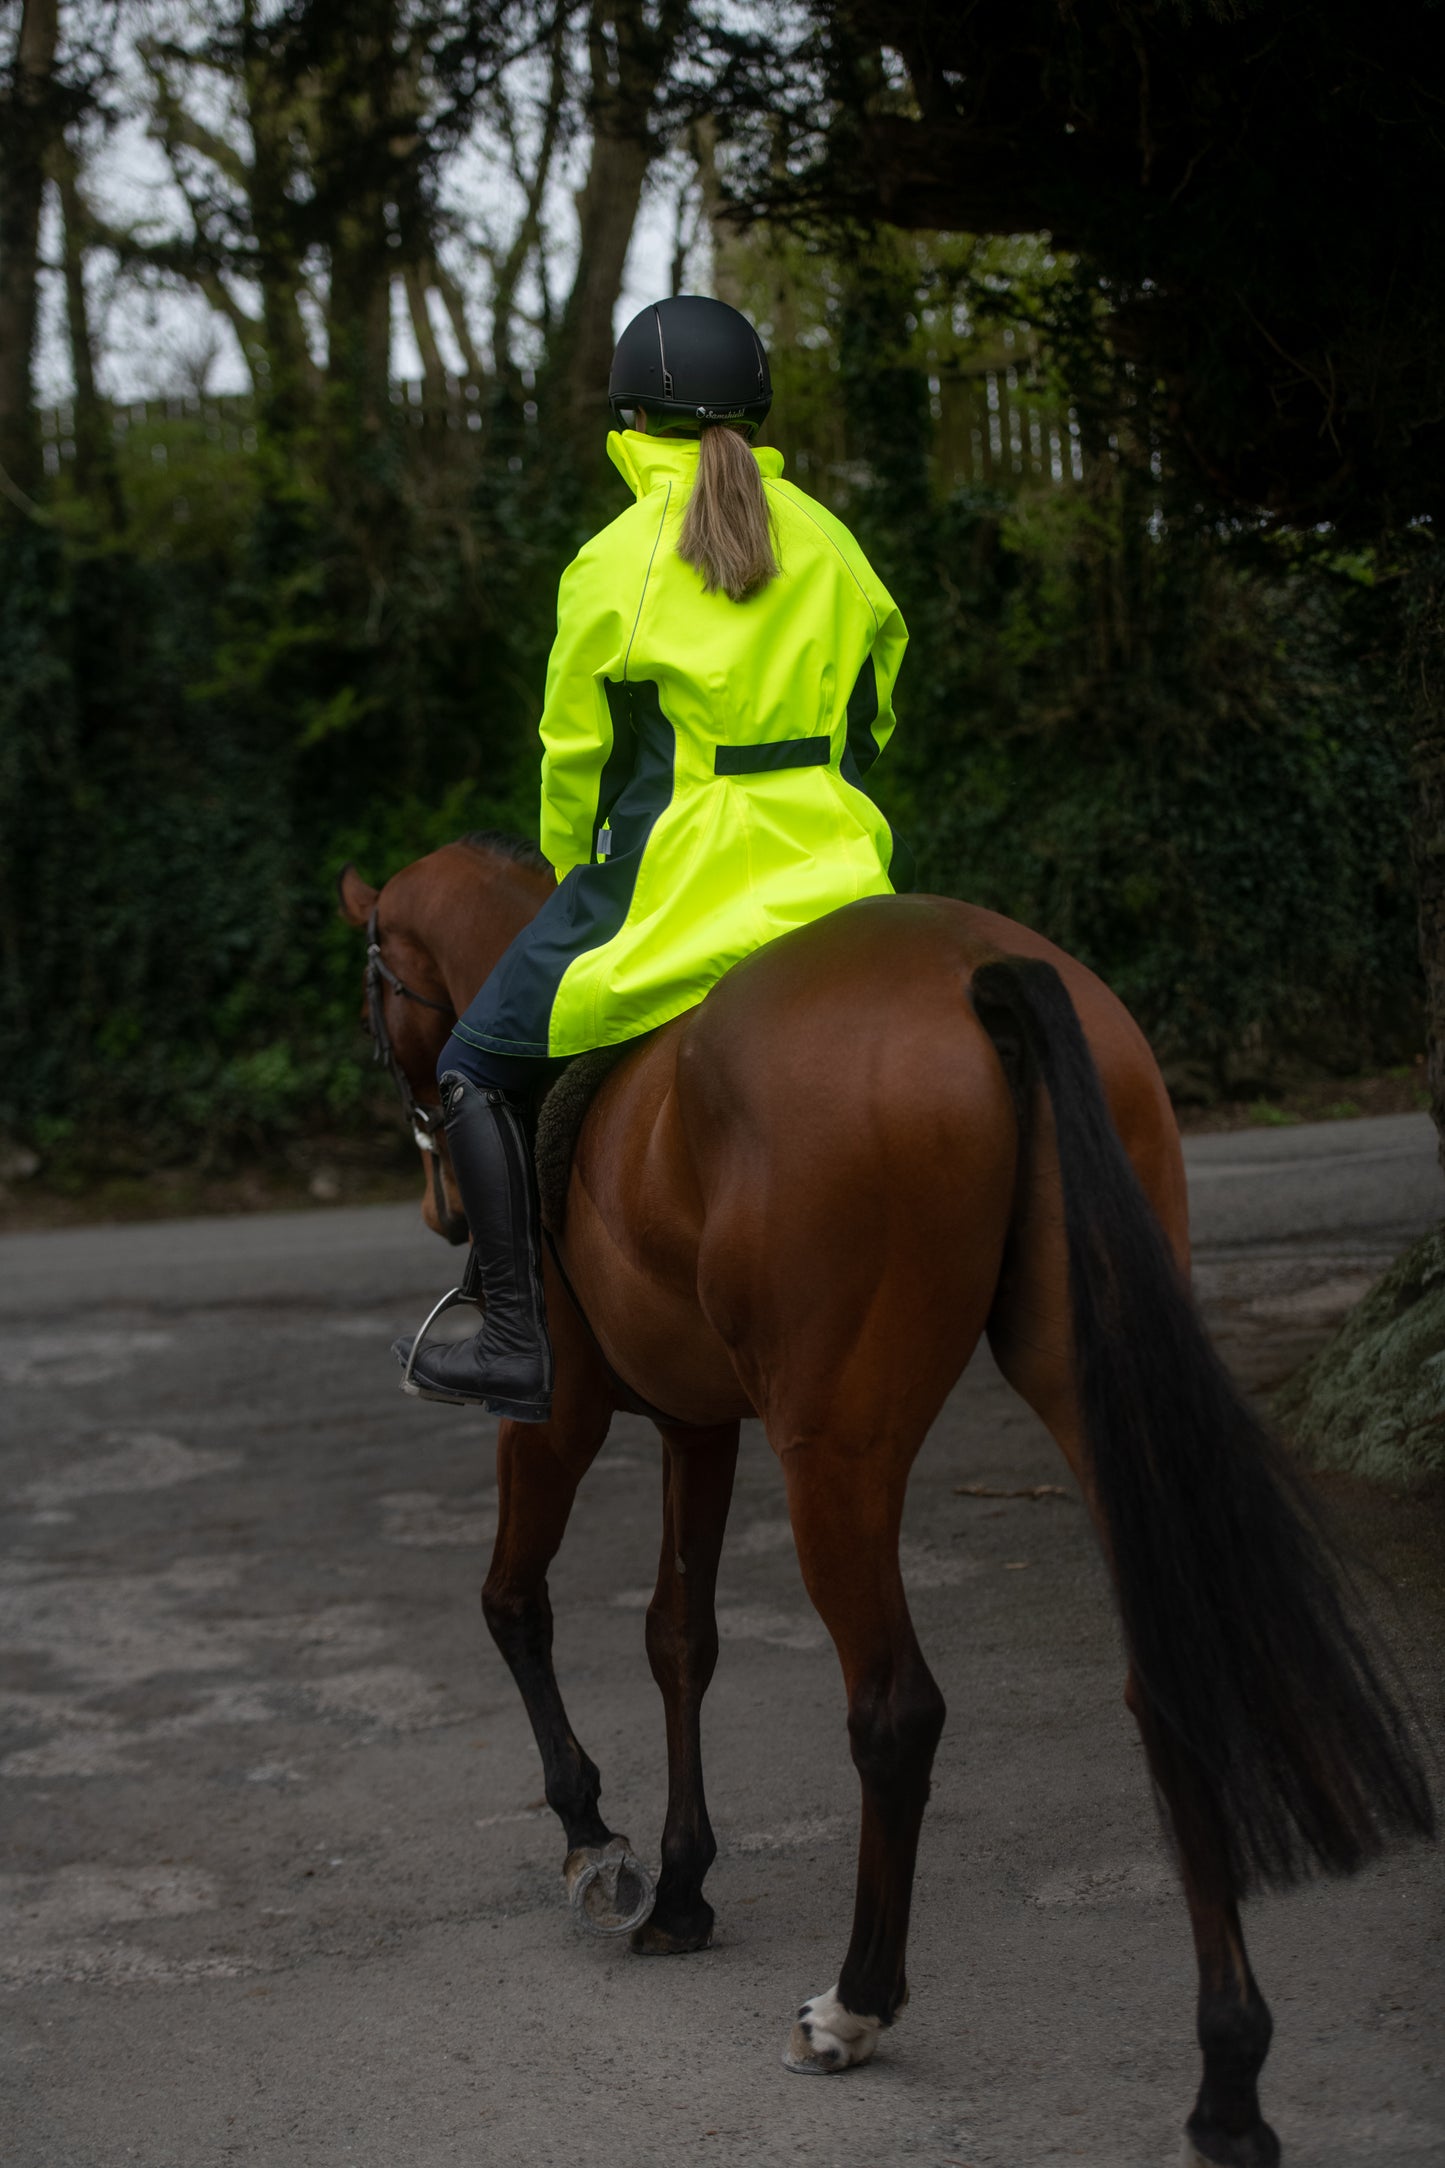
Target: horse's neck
477	915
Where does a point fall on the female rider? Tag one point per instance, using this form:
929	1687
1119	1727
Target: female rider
721	682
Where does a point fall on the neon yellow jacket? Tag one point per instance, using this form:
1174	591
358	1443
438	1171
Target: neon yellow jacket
702	762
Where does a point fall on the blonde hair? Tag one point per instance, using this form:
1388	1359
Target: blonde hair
726	531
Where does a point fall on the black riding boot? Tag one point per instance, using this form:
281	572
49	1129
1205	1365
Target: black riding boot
507	1366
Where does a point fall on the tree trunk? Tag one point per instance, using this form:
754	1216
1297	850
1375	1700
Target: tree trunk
1424	652
96	474
629	58
727	240
280	360
527	240
360	172
456	308
27	128
433	370
1373	1401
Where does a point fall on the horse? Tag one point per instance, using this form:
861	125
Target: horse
877	1139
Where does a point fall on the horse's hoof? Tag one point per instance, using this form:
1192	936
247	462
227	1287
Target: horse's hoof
1258	2148
609	1889
826	2038
652	1940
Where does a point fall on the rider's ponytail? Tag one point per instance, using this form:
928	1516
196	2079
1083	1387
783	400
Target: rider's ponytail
725	530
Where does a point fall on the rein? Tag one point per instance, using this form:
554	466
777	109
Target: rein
425	1123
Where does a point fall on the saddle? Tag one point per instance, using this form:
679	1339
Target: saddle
559	1124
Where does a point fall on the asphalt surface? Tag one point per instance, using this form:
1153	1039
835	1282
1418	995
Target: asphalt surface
277	1885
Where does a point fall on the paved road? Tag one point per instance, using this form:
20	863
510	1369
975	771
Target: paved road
278	1887
1379	1179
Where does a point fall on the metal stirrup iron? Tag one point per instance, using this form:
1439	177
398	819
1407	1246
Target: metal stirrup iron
468	1289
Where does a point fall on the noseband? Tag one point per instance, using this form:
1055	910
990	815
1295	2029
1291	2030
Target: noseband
425	1122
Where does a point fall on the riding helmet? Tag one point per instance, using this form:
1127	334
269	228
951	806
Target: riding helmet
689	361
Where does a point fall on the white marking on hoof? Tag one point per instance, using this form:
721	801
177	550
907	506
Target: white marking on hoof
609	1889
827	2038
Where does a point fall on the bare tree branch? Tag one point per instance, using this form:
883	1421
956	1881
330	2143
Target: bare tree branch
456	308
434	375
178	128
528	235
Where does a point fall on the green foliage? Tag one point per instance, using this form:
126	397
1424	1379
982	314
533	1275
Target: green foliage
1179	767
198	732
1167	747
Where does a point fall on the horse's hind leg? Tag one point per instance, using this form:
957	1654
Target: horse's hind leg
697	1483
846	1512
538	1471
1030	1334
1226	2129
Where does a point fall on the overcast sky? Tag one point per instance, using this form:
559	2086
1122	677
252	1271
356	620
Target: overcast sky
151	342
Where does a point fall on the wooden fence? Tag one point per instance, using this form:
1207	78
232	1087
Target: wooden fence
989	428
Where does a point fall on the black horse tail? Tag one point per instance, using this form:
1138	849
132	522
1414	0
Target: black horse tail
1254	1675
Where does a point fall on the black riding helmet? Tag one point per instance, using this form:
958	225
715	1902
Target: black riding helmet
688	361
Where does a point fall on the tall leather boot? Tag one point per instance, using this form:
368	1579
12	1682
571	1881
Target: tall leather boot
507	1366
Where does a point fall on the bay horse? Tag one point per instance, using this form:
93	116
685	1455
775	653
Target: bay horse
906	1125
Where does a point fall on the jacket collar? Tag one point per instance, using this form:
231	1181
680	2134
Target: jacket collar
647	463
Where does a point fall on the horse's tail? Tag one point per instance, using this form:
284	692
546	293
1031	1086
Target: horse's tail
1257	1679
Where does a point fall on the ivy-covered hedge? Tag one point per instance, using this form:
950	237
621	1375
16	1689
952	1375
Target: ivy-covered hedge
1171	750
1185	772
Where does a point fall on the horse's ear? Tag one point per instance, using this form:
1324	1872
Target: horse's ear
355	900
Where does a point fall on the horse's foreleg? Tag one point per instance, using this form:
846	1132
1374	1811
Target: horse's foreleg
535	1491
697	1484
846	1515
538	1470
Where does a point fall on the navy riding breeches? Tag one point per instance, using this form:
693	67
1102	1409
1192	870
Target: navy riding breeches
517	1075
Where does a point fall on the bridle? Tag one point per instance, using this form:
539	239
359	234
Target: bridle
425	1123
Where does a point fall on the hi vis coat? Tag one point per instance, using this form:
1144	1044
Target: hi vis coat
703	763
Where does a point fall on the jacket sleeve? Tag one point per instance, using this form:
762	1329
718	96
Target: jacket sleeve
576	725
871	717
885	636
886	656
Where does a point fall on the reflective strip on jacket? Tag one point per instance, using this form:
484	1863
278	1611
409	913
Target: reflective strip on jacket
702	763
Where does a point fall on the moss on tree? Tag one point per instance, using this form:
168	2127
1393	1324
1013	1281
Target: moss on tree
1372	1403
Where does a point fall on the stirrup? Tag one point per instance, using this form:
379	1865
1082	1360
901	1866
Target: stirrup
467	1289
448	1302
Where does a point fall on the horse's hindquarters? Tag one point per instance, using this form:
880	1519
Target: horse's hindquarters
853	1141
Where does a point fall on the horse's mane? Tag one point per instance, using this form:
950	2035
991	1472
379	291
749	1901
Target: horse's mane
496	843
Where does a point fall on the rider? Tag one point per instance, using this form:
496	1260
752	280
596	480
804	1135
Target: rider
721	682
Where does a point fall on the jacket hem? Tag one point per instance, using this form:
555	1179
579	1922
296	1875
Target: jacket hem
489	1043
